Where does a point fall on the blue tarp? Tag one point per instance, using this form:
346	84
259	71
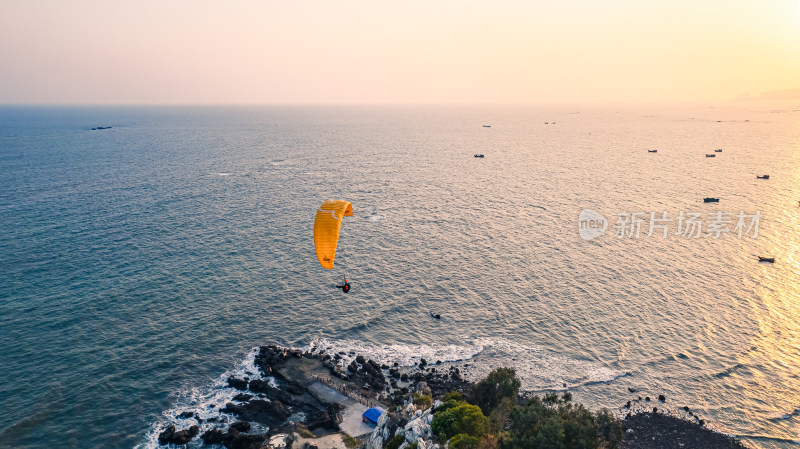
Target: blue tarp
371	416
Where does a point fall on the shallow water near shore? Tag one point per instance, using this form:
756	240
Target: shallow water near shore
143	263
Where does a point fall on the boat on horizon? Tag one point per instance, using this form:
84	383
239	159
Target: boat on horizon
711	200
718	151
478	155
487	126
766	259
711	155
762	177
652	151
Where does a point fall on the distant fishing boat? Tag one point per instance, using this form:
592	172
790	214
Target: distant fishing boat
766	259
718	151
711	200
763	177
711	155
652	151
487	126
478	155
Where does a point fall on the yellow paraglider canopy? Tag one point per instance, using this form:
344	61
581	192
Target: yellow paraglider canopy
326	229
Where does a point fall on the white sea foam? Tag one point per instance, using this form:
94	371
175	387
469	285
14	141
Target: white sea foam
375	218
223	174
205	402
404	355
537	368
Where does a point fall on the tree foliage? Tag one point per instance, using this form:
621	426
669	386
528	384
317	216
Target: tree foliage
499	384
455	417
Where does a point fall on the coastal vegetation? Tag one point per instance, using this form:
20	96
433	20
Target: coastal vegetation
492	415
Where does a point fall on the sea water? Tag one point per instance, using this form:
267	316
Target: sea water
141	265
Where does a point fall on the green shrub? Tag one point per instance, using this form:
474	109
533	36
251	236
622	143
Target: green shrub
422	400
395	442
464	441
413	445
453	395
609	429
459	417
350	442
499	384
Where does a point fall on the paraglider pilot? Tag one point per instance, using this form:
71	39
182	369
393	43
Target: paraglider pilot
346	287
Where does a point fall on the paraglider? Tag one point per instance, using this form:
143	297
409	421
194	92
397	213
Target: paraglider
327	225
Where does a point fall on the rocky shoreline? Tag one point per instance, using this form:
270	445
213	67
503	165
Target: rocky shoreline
314	399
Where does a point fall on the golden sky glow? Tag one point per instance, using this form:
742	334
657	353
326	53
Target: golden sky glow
359	51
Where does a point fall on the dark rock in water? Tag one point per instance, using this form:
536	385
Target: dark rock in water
241	426
239	384
686	408
384	366
655	409
361	360
243	397
269	413
701	422
647	398
166	436
422	362
170	436
396	364
246	442
632	390
628	404
404	377
438	362
213	436
185	415
662	398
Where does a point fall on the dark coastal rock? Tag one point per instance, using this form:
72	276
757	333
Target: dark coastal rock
243	397
647	398
185	415
632	390
241	426
246	442
404	377
659	430
662	398
213	436
170	436
271	355
269	413
361	360
239	384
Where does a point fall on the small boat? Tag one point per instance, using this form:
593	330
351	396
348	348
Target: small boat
546	123
652	151
766	259
711	155
718	151
711	200
487	126
435	316
478	155
762	177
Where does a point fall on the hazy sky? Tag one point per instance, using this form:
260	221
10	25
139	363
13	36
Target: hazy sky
359	51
